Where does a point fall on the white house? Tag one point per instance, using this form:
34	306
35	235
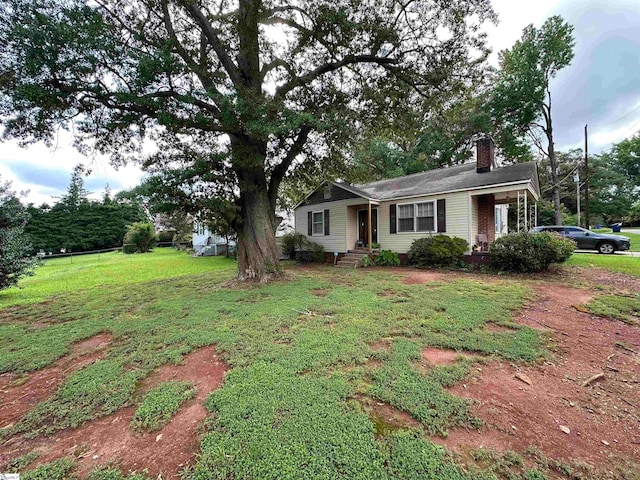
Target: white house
469	201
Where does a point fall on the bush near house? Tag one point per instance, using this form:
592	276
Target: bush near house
437	251
387	258
526	252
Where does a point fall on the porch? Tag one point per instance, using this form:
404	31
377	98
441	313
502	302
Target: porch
362	227
490	217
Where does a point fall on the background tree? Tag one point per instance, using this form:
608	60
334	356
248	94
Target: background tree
78	224
15	258
614	183
140	237
521	99
270	86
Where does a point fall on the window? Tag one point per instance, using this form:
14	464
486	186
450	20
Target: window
417	217
327	192
405	218
425	217
318	223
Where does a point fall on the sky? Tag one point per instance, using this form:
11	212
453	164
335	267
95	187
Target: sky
600	88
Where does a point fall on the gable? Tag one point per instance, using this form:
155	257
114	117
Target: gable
335	193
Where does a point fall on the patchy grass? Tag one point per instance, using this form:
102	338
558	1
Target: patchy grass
59	470
108	473
20	463
621	307
288	408
615	263
160	404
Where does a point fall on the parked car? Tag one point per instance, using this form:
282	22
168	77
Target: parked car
588	240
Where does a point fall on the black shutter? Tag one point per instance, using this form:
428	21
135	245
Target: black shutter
309	223
326	222
392	218
442	216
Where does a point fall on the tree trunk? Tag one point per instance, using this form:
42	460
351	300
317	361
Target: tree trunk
554	178
546	110
257	251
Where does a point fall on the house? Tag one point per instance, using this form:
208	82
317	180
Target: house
469	201
207	244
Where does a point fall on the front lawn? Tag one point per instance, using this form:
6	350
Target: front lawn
312	359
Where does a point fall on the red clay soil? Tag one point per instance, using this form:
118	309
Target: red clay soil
437	356
602	418
20	393
163	453
422	277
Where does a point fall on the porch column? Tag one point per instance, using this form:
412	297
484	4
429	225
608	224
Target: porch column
370	231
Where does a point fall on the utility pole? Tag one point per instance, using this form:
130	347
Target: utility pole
586	180
576	178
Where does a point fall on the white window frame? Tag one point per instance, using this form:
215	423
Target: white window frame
313	223
415	217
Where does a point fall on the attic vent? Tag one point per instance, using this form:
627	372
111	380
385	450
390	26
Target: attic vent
327	192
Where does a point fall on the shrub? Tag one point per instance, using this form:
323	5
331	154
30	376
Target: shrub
318	254
437	251
166	236
530	252
387	258
366	261
140	234
293	242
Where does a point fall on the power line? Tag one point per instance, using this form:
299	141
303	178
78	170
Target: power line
618	119
624	135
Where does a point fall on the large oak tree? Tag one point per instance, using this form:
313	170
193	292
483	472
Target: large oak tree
257	88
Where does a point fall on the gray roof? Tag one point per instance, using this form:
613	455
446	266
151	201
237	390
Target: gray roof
459	177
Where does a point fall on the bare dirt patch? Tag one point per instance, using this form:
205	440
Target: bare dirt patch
386	418
110	440
437	356
422	277
20	393
319	292
384	345
602	418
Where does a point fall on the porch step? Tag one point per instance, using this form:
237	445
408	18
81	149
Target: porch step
352	259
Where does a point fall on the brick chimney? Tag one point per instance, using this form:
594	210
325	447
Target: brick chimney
484	154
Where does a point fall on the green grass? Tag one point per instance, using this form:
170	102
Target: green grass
60	275
290	406
160	404
621	307
614	263
59	470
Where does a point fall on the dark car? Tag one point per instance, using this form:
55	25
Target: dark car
588	240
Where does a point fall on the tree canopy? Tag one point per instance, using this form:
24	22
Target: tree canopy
77	223
257	89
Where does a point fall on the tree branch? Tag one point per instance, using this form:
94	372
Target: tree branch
280	170
295	82
215	42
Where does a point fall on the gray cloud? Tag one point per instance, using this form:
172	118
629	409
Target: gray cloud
54	179
602	83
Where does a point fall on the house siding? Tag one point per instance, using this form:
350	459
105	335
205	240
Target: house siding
336	241
456	221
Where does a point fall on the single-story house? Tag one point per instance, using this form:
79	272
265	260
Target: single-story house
469	201
206	243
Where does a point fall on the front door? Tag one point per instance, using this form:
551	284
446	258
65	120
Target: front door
363	226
